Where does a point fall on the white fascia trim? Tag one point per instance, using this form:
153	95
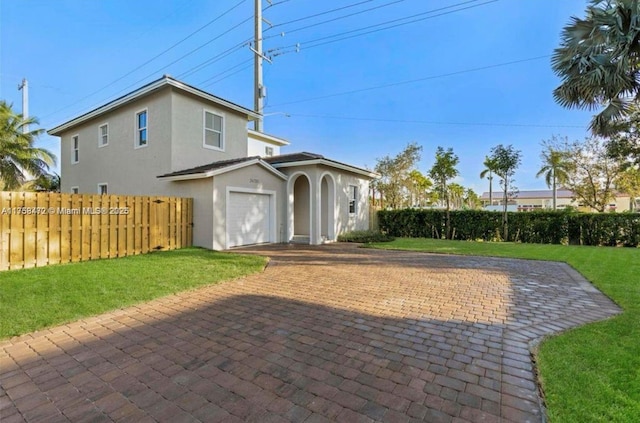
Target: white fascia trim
141	92
348	168
225	170
261	136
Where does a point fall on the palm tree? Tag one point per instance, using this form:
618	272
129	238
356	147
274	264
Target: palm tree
488	173
598	62
18	156
555	169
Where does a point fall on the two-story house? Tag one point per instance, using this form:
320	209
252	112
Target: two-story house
170	138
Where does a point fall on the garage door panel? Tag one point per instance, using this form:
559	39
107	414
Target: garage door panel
248	218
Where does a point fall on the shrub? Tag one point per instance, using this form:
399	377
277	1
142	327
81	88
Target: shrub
365	237
542	227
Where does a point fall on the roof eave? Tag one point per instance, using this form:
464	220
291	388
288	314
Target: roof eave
329	163
140	92
261	136
220	171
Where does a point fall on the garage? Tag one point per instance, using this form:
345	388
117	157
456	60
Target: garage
249	218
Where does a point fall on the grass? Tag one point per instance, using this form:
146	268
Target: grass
591	373
33	299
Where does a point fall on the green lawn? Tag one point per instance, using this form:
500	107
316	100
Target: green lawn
592	373
33	299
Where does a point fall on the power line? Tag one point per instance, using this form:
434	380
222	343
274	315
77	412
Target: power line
412	81
151	60
425	122
212	60
228	76
429	12
244	62
320	14
339	18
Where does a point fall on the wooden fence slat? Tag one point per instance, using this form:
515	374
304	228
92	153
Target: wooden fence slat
54	229
5	225
16	243
87	228
42	230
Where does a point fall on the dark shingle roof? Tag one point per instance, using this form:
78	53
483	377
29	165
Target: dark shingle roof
293	157
209	167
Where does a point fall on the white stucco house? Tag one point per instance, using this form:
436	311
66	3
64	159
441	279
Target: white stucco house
172	139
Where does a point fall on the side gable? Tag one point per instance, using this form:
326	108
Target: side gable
218	168
165	81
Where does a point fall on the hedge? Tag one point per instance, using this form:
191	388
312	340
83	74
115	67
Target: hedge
541	227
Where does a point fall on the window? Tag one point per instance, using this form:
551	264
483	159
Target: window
141	129
213	133
353	199
102	189
268	151
75	149
75	190
103	135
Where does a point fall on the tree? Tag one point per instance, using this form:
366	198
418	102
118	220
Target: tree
418	186
44	183
488	173
555	169
442	171
598	62
592	173
19	159
394	173
471	199
629	182
456	193
505	161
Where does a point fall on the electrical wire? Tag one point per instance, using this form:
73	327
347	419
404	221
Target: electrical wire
413	81
150	60
319	14
299	46
426	122
228	76
338	18
244	62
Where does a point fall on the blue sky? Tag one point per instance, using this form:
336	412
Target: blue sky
480	70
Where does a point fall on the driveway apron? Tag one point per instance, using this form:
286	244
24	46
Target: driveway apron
329	333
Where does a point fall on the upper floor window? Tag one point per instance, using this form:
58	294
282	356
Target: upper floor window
75	190
102	189
103	135
213	131
268	151
75	149
353	199
141	129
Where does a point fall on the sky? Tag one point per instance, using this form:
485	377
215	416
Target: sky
354	80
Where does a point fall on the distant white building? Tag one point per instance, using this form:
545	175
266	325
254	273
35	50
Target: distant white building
543	200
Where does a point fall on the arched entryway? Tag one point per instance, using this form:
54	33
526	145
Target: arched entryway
327	208
300	198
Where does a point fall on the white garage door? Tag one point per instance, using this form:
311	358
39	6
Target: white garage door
248	218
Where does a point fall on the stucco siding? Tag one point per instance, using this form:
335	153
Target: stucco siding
258	148
338	183
253	179
188	132
201	190
124	168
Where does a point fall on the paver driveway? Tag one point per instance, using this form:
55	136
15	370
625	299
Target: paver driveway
325	333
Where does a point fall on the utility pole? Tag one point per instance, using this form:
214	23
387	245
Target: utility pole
258	86
24	86
259	90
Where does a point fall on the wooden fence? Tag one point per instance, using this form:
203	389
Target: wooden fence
37	229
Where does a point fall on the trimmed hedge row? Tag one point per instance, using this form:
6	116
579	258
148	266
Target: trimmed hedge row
609	229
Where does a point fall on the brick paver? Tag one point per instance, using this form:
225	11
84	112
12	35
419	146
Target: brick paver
331	333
